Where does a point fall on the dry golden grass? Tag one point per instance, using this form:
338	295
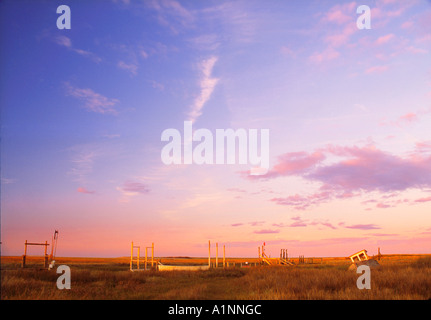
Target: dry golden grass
400	277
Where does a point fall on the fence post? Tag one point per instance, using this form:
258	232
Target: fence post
131	257
216	265
209	253
137	258
152	255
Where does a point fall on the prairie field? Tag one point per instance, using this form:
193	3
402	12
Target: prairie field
405	277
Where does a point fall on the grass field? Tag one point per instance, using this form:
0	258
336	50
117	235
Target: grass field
399	277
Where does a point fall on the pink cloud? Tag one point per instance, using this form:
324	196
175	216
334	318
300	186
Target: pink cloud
288	52
386	10
407	118
84	190
415	50
236	190
346	195
327	224
130	189
361	169
423	146
381	205
369	201
385	2
371	169
298	222
256	223
326	55
341	38
134	187
265	231
376	69
407	25
303	202
341	13
384	39
294	163
363	226
337	16
427	199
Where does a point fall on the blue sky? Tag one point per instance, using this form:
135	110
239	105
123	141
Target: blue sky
82	111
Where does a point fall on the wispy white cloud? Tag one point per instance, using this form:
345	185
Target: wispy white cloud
126	2
207	42
63	41
376	69
171	14
157	85
82	164
93	101
132	68
7	180
207	85
67	42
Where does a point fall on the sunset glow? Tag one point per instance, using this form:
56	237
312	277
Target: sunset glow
348	113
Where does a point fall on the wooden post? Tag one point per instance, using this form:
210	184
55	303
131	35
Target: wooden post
209	253
131	257
152	254
137	259
258	251
52	248
224	256
46	255
25	255
146	256
216	254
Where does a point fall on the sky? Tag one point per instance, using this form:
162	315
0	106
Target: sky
348	112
